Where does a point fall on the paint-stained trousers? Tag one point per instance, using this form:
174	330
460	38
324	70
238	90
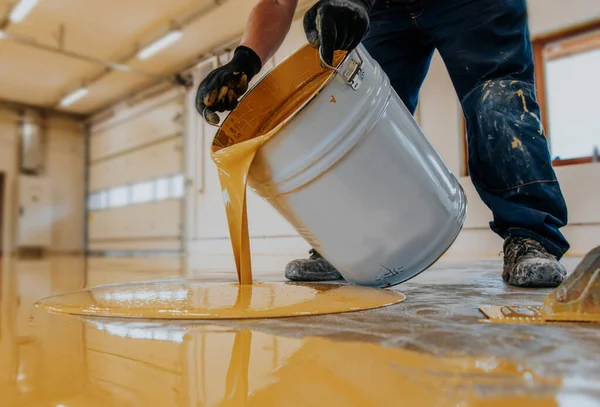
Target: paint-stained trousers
486	47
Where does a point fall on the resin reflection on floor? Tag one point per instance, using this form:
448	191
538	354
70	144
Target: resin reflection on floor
430	350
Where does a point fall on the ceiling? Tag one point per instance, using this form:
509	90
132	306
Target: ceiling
41	74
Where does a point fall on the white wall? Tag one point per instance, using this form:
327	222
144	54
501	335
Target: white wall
546	16
65	169
440	118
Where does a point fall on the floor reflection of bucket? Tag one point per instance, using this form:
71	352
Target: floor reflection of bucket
351	169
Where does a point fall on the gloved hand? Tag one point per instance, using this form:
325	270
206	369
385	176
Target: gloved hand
337	25
220	90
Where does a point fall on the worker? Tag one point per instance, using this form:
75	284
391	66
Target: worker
486	48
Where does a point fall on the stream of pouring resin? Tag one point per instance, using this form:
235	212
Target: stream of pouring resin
235	147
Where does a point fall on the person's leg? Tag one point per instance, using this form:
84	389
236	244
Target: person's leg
486	48
404	55
400	48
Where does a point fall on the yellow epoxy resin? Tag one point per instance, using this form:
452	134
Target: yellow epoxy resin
194	299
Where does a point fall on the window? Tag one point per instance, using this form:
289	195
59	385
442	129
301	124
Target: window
103	199
92	202
159	189
177	186
142	192
567	66
162	188
118	197
97	200
573	105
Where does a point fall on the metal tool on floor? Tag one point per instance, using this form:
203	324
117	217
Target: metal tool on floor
577	299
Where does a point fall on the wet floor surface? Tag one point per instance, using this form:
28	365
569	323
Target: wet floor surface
431	350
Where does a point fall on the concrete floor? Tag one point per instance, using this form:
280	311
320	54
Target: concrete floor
432	349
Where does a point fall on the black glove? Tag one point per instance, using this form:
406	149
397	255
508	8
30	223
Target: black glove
220	90
337	25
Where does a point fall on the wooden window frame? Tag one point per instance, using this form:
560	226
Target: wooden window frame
539	44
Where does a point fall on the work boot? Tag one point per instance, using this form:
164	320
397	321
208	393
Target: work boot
528	264
315	268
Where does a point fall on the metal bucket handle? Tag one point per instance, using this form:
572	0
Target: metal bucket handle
353	75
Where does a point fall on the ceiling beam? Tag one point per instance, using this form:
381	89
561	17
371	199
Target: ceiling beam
81	57
19	106
181	23
109	66
120	64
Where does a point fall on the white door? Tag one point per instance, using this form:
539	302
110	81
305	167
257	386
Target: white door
35	212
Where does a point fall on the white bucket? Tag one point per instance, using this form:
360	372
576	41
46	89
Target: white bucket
354	174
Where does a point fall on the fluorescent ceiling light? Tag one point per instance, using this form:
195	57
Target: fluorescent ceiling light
160	44
20	11
73	97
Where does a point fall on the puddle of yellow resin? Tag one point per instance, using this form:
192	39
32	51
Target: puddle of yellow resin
261	114
201	300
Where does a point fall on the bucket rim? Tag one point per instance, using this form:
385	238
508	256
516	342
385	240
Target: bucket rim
293	114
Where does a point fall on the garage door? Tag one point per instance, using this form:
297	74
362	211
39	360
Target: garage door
136	183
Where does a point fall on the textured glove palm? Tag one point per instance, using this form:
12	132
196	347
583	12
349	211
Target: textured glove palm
220	90
337	25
